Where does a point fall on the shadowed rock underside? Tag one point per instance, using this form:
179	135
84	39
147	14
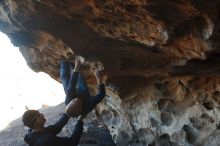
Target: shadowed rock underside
161	61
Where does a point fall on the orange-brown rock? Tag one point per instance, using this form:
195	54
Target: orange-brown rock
160	58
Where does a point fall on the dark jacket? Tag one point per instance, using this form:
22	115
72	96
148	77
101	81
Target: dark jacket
49	137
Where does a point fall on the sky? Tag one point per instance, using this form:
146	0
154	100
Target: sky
20	86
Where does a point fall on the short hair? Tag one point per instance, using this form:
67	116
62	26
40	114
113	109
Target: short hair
29	118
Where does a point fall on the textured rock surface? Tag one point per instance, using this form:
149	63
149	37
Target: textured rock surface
161	61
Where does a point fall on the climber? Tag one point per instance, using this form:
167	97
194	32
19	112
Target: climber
38	135
78	100
75	88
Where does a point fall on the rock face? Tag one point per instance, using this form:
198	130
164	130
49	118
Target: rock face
160	59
